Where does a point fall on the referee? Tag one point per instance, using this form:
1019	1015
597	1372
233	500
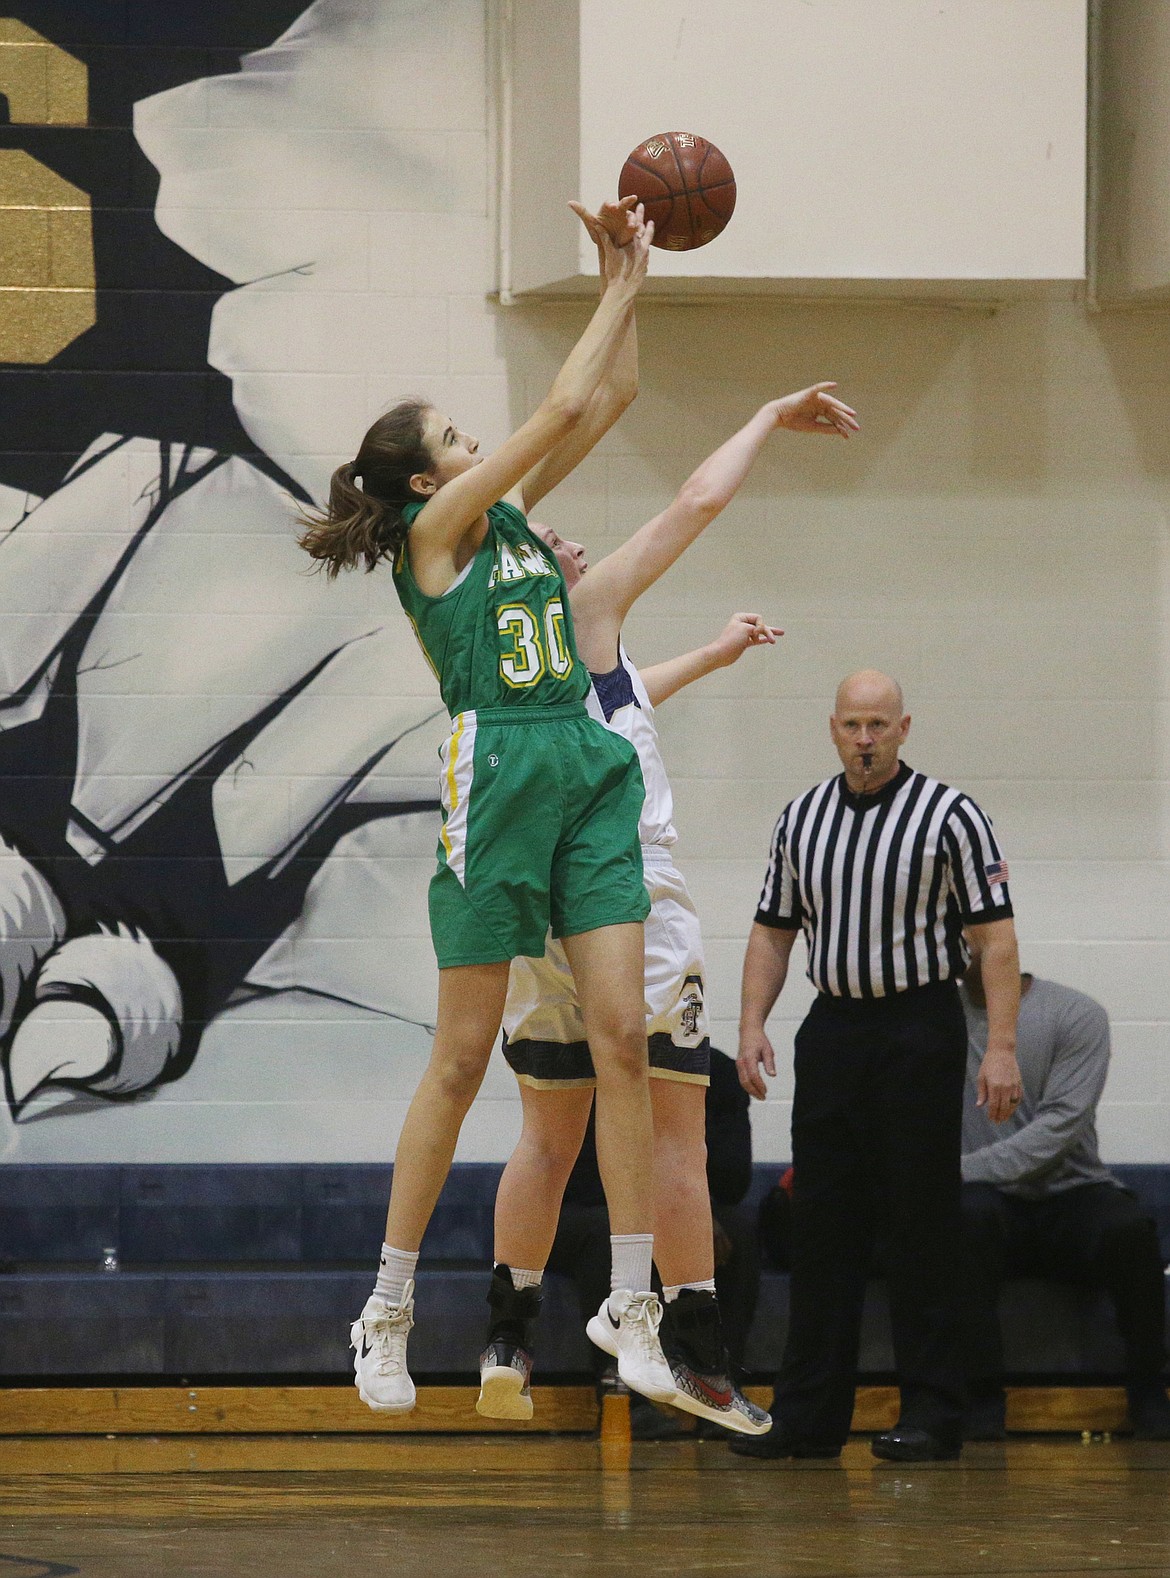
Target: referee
884	870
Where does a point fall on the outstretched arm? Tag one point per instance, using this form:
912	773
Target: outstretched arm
612	587
612	228
742	631
454	508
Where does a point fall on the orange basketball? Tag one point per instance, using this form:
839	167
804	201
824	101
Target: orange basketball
686	186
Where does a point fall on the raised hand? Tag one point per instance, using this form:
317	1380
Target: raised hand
618	220
615	220
741	632
636	256
622	237
815	410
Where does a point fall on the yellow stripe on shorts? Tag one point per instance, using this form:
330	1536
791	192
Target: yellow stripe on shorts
460	766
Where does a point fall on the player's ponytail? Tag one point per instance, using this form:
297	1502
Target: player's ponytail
362	521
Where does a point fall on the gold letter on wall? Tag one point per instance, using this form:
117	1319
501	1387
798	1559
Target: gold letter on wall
46	233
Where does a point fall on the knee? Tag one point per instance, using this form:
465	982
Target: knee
458	1072
550	1151
618	1046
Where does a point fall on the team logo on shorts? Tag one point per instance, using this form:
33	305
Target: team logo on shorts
692	1004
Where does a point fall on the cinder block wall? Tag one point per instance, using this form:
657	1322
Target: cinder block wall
320	244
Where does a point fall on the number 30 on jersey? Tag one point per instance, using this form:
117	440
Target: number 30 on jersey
538	646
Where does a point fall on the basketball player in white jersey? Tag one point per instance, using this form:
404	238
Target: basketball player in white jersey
545	1039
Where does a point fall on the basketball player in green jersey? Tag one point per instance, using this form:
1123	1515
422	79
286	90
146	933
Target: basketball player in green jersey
540	802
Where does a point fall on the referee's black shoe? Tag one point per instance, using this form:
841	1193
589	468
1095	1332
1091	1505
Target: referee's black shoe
781	1442
908	1444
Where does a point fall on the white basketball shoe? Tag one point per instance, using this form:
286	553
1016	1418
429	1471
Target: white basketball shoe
378	1338
632	1339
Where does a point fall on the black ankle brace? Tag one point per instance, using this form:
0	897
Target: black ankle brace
513	1309
692	1331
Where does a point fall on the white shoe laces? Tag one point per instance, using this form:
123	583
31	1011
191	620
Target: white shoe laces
388	1333
644	1314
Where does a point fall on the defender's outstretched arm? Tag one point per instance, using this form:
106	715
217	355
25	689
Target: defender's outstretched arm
742	631
612	587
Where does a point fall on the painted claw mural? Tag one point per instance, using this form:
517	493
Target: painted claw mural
171	786
208	756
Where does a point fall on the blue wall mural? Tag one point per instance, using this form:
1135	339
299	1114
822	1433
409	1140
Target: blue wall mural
207	756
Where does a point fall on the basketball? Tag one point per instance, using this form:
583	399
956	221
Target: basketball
685	185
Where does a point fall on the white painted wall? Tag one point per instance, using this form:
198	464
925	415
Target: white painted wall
900	145
997	537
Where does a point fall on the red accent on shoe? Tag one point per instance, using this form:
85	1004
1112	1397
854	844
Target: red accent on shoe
717	1397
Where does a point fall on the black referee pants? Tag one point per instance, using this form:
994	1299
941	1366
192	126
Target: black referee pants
876	1123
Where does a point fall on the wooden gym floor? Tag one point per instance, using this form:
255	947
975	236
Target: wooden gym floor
225	1491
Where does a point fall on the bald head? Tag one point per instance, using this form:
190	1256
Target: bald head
869	688
868	726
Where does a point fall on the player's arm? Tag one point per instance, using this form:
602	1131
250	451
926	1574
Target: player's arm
449	513
742	631
622	576
999	1086
611	227
765	969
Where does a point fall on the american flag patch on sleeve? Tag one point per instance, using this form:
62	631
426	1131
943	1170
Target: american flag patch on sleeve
997	871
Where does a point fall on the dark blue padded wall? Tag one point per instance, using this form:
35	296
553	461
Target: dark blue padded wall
309	1215
210	1213
212	1256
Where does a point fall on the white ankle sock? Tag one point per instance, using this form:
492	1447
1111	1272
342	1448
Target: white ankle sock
525	1279
632	1257
669	1294
395	1269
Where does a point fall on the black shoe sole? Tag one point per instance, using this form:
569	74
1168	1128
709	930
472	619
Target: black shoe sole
891	1452
770	1448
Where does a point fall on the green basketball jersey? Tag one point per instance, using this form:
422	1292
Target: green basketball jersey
501	635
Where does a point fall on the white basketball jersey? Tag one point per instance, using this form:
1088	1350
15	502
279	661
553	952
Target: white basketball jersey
619	700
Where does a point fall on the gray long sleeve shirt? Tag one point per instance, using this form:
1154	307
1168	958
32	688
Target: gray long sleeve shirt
1050	1143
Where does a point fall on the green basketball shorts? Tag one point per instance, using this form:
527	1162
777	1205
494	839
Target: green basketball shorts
540	830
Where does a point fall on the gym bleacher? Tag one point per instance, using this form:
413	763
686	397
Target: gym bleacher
204	1253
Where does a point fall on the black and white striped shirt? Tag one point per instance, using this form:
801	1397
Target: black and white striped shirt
883	884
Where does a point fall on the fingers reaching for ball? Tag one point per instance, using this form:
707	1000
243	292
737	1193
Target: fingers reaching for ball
636	256
623	238
742	631
617	219
816	410
613	220
758	633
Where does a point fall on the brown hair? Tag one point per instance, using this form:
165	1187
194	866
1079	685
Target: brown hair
364	524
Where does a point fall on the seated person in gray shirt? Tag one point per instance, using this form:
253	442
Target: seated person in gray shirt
1037	1201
